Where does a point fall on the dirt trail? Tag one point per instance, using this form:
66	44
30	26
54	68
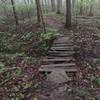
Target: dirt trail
60	77
58	62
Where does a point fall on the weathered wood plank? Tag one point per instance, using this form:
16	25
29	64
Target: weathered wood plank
60	65
60	52
61	55
58	59
62	48
63	44
58	69
54	57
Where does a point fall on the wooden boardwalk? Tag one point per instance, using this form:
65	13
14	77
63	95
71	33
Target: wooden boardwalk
59	67
60	57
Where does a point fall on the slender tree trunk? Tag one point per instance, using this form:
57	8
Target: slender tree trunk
40	18
31	2
43	5
14	12
73	3
81	7
46	6
28	13
53	5
59	4
38	11
68	13
91	8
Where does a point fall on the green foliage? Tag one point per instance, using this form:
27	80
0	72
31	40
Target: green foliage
16	98
26	9
34	98
84	4
1	65
27	36
47	39
97	81
47	36
83	93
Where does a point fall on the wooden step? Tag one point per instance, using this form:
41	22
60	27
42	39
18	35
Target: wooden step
63	44
97	41
98	67
95	60
63	41
53	57
60	52
59	65
61	55
68	69
61	48
57	60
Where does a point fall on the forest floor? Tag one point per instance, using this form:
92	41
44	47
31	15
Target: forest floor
85	30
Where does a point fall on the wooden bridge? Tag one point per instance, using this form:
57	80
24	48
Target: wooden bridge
60	57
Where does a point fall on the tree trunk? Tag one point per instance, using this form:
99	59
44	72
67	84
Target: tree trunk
68	13
38	11
14	12
73	3
46	6
81	7
59	5
53	5
91	8
32	2
43	5
28	13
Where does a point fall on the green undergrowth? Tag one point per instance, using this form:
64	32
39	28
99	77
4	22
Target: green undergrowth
19	55
25	42
23	47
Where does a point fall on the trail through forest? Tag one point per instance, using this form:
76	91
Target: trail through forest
49	49
56	86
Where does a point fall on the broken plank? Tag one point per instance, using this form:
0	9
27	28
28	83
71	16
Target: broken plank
69	69
63	44
58	59
61	55
61	48
60	65
52	57
61	52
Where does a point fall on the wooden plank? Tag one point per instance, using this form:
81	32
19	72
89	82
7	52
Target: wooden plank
97	42
60	42
61	48
58	69
58	59
60	65
63	44
98	67
95	60
60	52
67	46
52	57
61	55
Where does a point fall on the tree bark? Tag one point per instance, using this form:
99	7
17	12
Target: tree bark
53	5
46	6
91	8
38	11
59	5
73	3
81	7
14	12
68	13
